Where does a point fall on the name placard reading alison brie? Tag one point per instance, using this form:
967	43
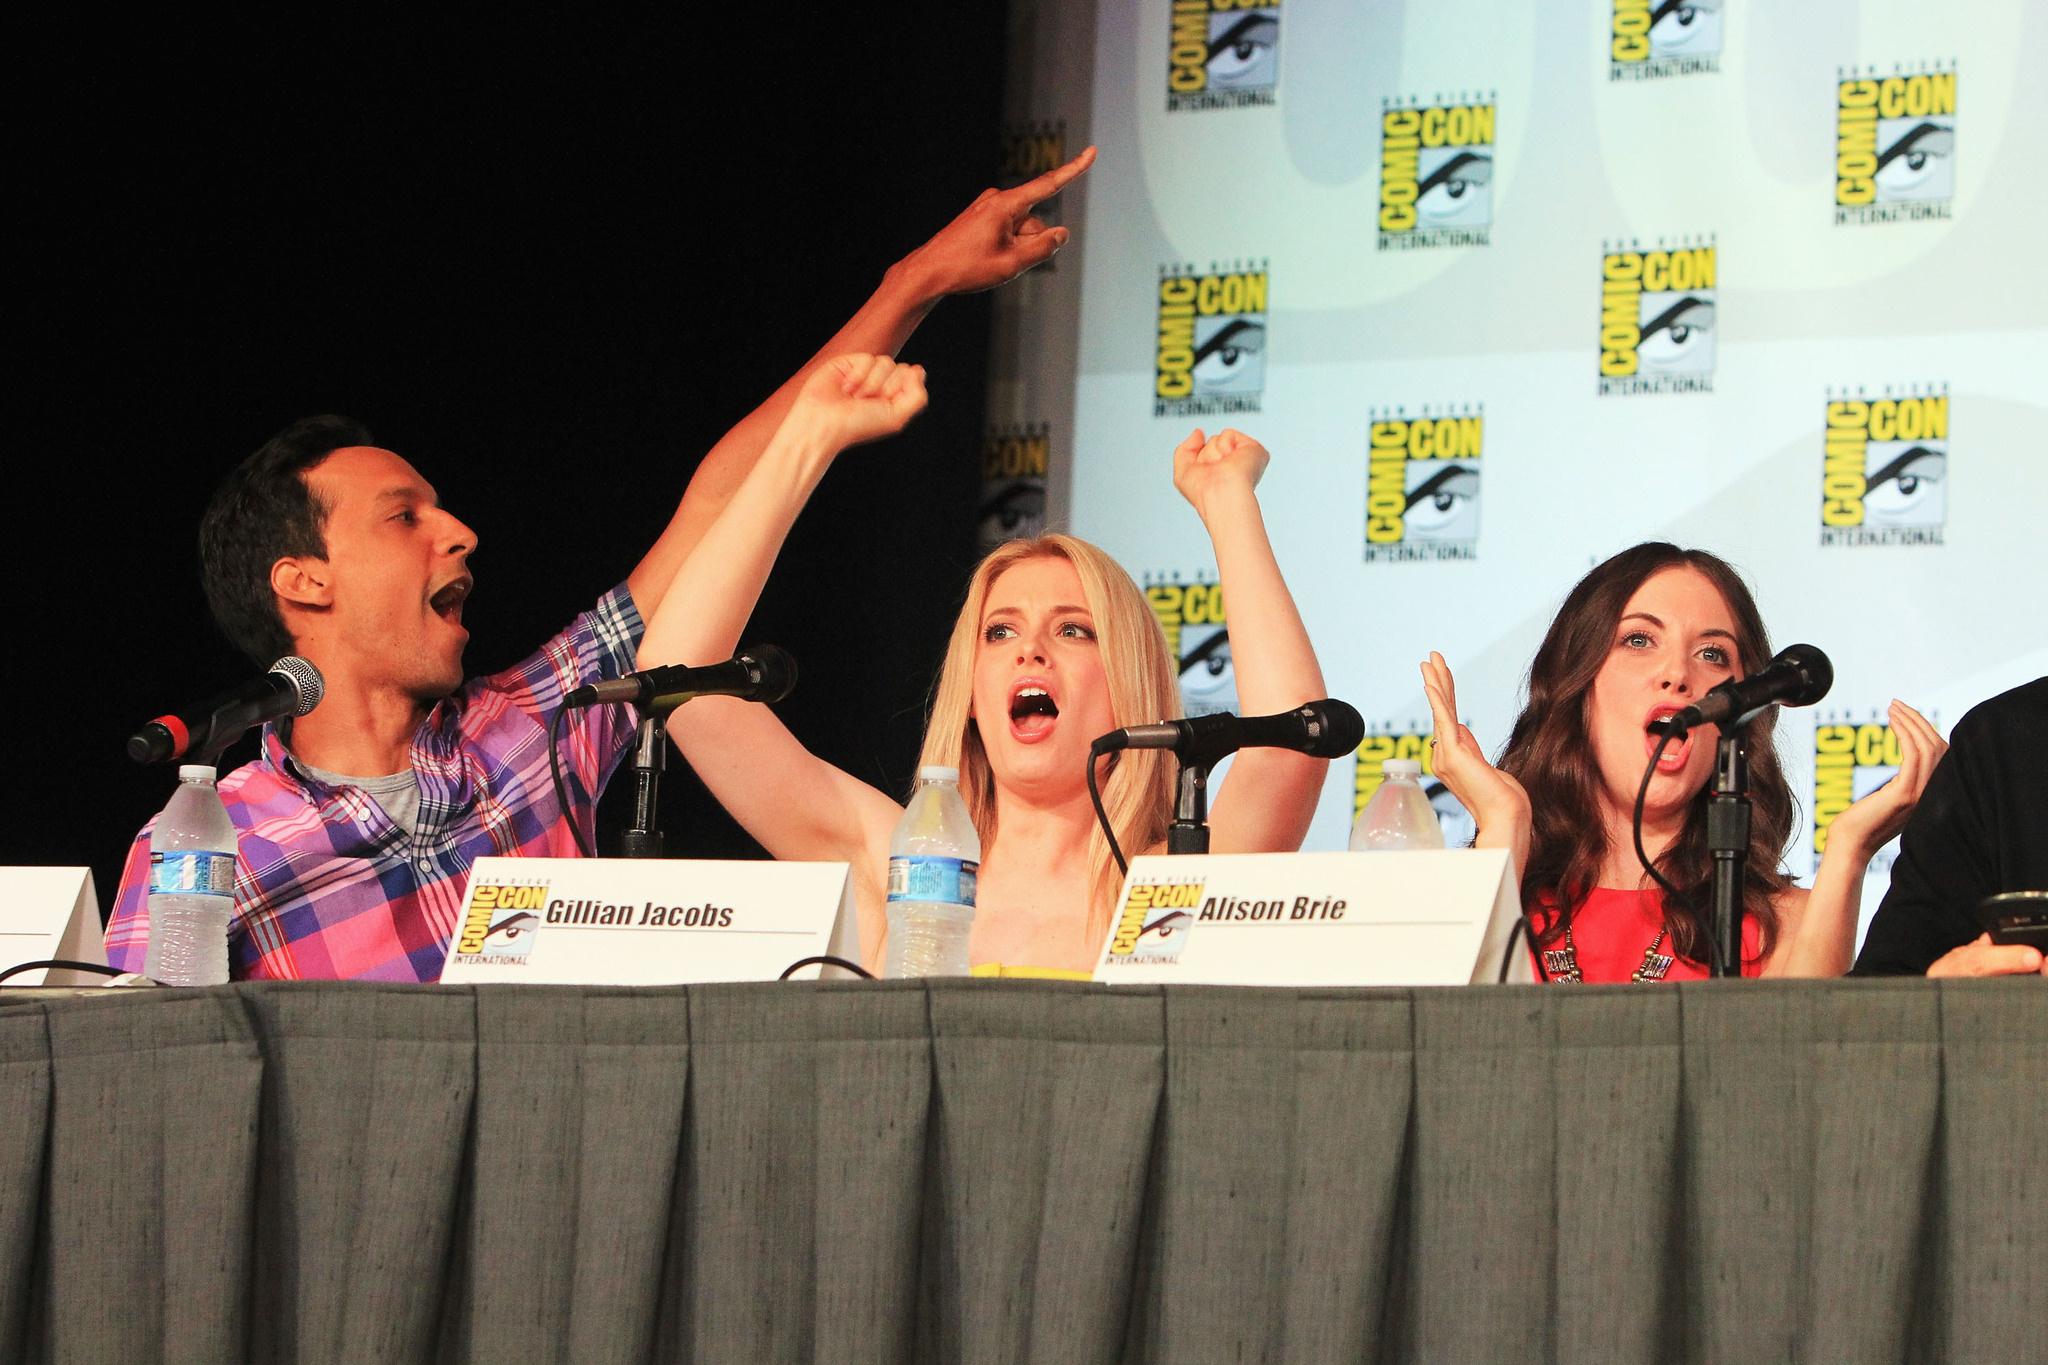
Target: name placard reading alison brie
1313	919
648	922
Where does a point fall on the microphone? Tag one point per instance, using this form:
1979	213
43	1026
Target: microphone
1321	729
292	687
1800	676
764	674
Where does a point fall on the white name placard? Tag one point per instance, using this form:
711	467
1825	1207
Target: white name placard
648	922
50	912
1437	918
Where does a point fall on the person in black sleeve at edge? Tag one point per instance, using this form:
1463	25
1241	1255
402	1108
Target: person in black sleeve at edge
1981	828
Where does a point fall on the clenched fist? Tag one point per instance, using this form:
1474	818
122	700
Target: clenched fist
852	399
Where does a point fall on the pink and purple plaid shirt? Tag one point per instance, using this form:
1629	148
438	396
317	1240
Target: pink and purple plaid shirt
327	886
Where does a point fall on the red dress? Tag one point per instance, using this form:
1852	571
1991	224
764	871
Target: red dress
1611	929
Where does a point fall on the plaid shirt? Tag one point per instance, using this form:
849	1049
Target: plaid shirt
327	886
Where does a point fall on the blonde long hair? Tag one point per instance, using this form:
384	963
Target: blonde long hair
1144	686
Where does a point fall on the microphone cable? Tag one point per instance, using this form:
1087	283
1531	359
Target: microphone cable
1101	815
1714	961
561	791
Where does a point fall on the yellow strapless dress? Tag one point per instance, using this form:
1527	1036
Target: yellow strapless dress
1038	973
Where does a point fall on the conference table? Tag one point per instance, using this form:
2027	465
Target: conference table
994	1171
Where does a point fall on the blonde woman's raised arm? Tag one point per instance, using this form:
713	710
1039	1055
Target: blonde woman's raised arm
1270	795
796	804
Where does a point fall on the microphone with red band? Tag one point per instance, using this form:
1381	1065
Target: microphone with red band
292	687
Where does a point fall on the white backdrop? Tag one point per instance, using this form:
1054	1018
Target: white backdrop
1728	215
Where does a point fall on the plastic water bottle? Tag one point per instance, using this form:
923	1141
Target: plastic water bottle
1399	815
191	884
933	858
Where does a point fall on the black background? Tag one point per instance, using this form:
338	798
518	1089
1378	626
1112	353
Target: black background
550	263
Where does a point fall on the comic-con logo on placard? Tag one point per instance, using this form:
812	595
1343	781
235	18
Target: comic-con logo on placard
1154	922
1224	54
1895	144
499	923
1436	172
1029	151
1198	637
1212	339
1652	38
1884	474
1013	465
1657	316
1422	483
1391	741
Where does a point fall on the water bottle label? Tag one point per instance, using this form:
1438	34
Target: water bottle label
943	881
192	874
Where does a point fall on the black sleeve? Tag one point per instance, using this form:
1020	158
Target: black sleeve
1945	865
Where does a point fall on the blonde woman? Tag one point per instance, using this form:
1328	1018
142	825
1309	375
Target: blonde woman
1054	646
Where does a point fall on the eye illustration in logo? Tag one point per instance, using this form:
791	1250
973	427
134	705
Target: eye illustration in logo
1012	510
1906	484
1443	501
1678	334
1230	355
1915	159
513	935
1683	28
1456	188
1165	933
1243	51
1208	679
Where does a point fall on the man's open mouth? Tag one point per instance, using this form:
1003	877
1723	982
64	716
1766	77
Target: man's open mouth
1033	712
447	603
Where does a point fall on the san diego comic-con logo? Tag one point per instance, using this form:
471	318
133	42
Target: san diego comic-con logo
1422	483
1390	741
1657	316
1895	144
1884	470
1198	636
1154	922
499	924
1029	151
1212	339
1013	469
1436	172
1223	54
1653	38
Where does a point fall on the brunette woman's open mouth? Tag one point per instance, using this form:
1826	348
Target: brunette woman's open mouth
1033	712
1676	751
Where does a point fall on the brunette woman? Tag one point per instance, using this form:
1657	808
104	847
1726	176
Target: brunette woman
1642	636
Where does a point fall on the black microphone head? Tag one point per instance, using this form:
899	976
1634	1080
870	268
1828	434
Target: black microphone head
1335	728
306	682
772	670
1814	674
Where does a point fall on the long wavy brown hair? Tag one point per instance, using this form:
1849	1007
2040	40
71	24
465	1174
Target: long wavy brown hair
1551	753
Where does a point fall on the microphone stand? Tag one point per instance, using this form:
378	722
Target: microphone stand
650	756
1189	832
1728	840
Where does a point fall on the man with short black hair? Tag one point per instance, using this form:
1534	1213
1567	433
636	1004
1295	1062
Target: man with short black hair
358	823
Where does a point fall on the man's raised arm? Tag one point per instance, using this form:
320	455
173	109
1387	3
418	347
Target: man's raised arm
992	242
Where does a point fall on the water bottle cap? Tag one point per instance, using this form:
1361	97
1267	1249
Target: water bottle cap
193	772
938	774
1401	767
